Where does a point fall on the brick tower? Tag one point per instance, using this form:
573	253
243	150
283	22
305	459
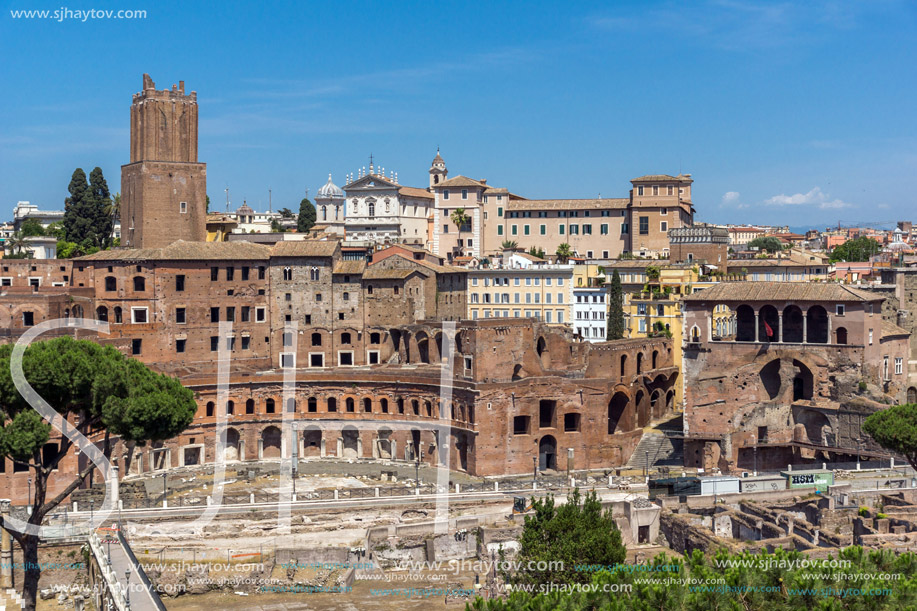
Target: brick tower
163	188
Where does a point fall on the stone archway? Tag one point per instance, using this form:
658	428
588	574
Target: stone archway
350	441
270	442
312	443
616	411
547	453
232	450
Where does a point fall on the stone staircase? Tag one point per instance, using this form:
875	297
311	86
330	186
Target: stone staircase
657	446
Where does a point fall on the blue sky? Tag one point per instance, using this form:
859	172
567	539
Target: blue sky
791	113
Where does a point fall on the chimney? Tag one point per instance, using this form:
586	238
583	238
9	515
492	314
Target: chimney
902	319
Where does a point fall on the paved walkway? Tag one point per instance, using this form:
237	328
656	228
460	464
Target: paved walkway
141	599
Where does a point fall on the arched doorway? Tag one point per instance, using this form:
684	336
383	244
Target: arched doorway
643	416
232	450
802	382
841	335
270	442
547	453
312	443
350	439
616	408
423	347
912	395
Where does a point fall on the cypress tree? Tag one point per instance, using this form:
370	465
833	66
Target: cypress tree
86	219
101	207
615	308
307	216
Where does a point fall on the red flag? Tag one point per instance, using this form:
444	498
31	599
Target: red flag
768	330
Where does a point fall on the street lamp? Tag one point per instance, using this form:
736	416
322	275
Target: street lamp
646	469
165	487
417	471
755	452
859	441
91	503
534	471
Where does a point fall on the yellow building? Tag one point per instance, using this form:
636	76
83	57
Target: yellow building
521	286
655	309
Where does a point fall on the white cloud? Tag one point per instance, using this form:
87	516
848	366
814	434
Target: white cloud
816	197
730	197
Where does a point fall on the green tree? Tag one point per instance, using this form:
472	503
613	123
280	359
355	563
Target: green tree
86	211
207	209
769	243
67	250
564	252
895	429
537	252
286	213
306	219
557	539
615	308
113	208
17	243
652	272
276	227
97	390
510	244
57	230
31	227
858	249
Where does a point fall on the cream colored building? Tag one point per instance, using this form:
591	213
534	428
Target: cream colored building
521	286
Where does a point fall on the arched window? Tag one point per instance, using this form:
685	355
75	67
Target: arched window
312	405
291	405
349	404
367	404
415	406
383	403
210	407
639	363
269	406
324	213
250	406
139	283
332	404
102	314
110	283
372	209
230	407
118	315
623	365
316	339
287	273
345	338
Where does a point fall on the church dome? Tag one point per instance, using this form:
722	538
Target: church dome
330	190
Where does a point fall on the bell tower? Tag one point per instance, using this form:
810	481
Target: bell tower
438	171
164	187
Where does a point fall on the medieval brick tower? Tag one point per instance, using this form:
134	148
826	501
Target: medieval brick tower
163	188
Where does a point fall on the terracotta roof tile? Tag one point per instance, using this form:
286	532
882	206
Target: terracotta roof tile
355	267
415	192
890	329
782	291
461	181
305	248
184	251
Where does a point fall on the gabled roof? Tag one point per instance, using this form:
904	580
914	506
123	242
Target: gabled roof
460	181
181	250
782	291
371	181
890	329
374	272
305	248
415	192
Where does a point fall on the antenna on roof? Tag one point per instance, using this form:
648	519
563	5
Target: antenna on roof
227	198
269	201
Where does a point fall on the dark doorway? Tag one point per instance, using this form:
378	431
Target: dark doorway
547	453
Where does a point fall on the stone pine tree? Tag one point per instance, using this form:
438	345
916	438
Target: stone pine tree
103	395
615	308
306	219
86	218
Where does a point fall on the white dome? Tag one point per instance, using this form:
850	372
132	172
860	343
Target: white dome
330	190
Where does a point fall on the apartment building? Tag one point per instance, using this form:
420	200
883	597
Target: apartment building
521	286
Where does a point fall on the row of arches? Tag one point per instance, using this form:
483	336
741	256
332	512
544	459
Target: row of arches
626	414
419	407
768	324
